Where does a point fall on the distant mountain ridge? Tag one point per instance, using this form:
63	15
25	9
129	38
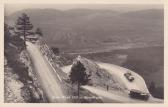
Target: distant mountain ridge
146	13
88	28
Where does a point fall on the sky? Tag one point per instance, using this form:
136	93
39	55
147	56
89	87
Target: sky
12	6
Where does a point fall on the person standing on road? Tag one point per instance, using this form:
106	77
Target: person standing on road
107	87
108	82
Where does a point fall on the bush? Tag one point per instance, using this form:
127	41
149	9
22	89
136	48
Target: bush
20	69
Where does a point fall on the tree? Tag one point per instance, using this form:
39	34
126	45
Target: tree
24	26
39	32
78	75
12	38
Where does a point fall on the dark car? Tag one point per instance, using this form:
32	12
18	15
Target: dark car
138	94
129	76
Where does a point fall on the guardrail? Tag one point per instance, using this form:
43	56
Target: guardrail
49	56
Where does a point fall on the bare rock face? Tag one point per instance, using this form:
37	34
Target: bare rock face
12	89
90	66
21	84
99	77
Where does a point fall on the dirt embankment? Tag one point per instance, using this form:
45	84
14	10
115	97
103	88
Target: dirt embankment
21	85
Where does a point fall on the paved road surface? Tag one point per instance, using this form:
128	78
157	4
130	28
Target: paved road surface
108	97
47	76
51	84
118	72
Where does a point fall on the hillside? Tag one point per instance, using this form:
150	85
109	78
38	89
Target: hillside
101	38
20	81
148	62
99	77
71	30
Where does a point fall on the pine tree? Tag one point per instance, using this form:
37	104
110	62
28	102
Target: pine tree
78	75
23	26
39	32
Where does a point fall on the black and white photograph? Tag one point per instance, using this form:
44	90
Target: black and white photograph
84	53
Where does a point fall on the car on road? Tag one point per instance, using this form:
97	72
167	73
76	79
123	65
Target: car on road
138	94
129	76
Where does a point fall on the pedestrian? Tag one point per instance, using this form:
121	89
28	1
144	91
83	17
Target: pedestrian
107	87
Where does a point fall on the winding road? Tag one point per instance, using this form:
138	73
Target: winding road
47	76
51	82
118	73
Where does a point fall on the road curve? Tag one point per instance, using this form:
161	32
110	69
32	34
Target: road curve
118	72
109	97
49	80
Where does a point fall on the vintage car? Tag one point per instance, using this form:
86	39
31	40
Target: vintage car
129	76
138	94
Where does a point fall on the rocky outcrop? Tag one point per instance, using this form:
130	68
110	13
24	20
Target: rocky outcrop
21	83
12	89
99	77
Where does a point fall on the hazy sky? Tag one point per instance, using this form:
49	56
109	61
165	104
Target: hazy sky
12	6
